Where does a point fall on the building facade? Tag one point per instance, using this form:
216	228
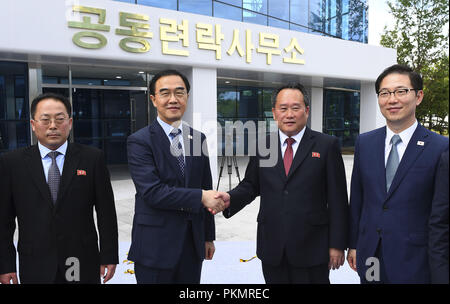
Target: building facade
102	54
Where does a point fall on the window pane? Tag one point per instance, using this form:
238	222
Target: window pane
248	102
234	2
14	106
169	4
317	15
298	28
299	12
254	18
345	27
341	115
203	7
357	21
228	12
278	23
279	9
226	102
332	27
14	135
344	6
259	6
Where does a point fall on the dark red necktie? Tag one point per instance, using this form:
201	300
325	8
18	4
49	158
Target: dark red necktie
288	155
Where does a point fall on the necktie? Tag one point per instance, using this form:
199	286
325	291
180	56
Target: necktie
176	149
393	161
288	155
54	176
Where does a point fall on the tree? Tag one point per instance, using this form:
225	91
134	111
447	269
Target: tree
420	36
434	108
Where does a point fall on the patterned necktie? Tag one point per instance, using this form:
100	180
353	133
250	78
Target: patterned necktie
288	155
393	161
176	149
54	176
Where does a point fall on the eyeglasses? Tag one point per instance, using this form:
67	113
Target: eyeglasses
165	95
398	93
284	109
47	121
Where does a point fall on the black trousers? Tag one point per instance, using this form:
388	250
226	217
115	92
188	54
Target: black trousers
187	270
288	274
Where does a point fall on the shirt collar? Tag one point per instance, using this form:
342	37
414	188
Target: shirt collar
168	128
297	137
44	150
405	135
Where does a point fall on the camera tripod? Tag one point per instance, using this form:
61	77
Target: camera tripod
230	161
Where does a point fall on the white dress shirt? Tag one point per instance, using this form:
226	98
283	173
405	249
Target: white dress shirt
47	161
168	128
405	135
298	137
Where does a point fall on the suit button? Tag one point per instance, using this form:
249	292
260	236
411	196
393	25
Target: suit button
379	230
385	208
286	192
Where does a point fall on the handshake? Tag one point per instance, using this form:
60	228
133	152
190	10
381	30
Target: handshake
215	201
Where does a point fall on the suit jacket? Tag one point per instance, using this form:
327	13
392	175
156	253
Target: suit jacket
303	214
165	202
438	241
49	234
400	216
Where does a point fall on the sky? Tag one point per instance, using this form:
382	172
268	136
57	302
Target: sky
379	16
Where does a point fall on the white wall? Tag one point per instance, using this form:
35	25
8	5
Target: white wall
370	116
201	112
47	34
316	109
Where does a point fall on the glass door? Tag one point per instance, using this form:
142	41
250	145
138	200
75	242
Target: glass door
108	105
102	118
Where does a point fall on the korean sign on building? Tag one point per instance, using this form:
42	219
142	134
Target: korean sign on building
137	36
119	33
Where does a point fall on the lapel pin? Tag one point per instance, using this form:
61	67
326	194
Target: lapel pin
316	154
420	143
81	172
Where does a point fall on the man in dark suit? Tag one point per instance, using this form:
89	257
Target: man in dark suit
52	188
302	221
438	235
393	185
172	231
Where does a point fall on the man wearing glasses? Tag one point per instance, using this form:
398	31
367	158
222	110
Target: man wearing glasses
52	188
303	214
392	186
173	232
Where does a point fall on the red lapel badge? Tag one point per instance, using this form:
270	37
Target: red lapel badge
316	154
81	172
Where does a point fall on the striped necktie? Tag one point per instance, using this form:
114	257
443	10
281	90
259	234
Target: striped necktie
54	176
176	149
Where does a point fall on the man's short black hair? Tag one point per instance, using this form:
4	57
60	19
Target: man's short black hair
168	73
294	86
54	96
414	77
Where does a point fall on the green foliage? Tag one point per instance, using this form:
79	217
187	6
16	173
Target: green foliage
420	36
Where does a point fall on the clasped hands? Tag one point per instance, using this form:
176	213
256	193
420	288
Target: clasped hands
215	201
